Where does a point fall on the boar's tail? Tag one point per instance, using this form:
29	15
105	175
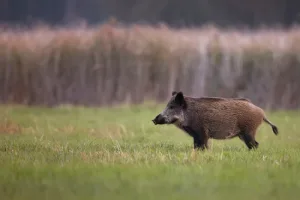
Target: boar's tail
274	128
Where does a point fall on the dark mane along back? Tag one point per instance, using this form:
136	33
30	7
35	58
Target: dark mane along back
212	99
217	99
242	99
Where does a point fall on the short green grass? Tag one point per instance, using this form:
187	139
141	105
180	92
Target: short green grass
117	153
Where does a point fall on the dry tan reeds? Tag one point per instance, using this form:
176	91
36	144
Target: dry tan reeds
108	65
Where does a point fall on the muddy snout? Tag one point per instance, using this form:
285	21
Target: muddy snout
158	120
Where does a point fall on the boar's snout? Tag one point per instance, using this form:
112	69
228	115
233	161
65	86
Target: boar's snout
159	119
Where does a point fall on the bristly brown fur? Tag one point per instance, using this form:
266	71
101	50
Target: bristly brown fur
222	118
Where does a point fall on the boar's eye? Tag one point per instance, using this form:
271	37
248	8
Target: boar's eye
171	107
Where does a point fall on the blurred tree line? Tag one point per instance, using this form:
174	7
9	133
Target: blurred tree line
176	12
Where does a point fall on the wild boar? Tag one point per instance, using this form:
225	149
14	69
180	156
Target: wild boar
213	117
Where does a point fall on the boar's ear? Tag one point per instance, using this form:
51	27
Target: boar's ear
179	99
173	93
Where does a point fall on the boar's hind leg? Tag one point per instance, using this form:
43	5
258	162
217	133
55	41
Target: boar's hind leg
249	140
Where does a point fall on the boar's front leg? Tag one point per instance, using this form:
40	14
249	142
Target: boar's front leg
200	143
200	138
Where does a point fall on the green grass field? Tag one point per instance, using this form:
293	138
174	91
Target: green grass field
117	153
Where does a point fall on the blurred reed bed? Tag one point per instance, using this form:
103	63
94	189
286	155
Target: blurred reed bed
111	64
